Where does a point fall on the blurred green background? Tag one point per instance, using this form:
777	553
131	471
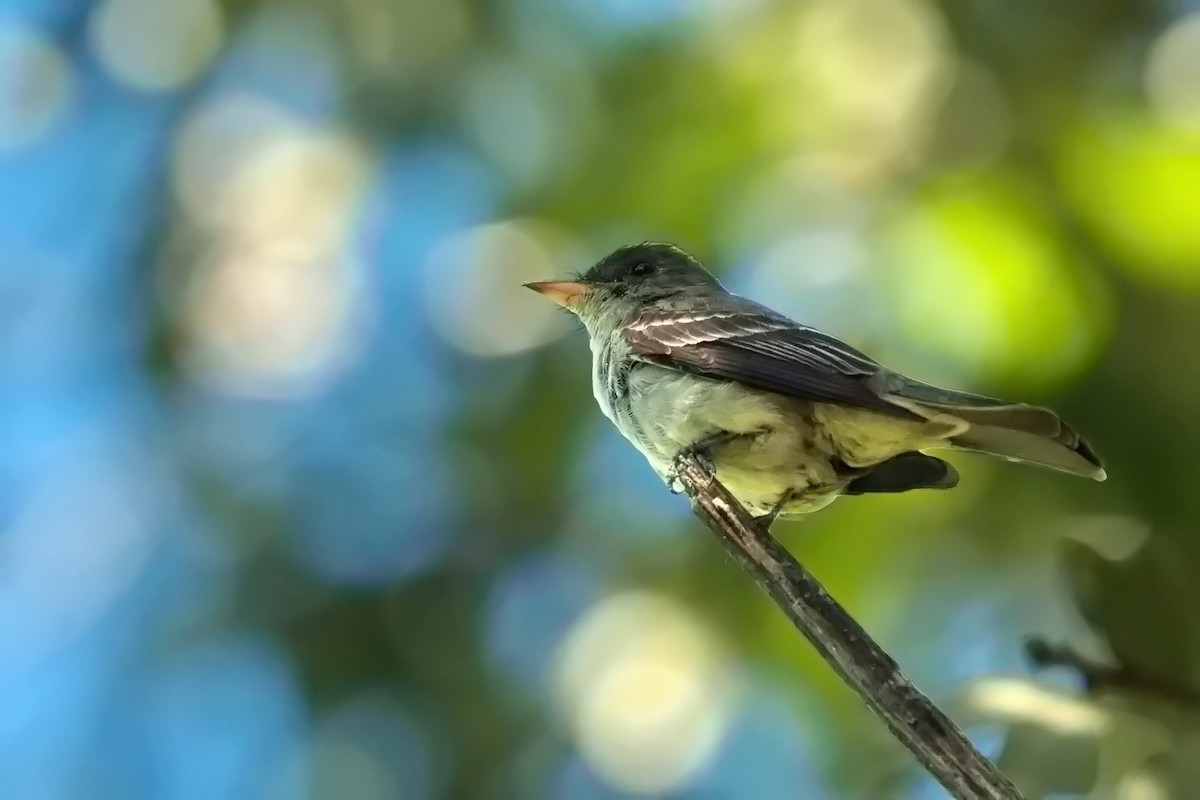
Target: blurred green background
303	496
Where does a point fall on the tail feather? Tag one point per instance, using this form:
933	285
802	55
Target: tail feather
1014	431
1017	445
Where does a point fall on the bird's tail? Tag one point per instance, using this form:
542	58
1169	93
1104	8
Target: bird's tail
1014	431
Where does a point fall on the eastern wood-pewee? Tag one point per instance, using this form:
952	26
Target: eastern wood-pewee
789	417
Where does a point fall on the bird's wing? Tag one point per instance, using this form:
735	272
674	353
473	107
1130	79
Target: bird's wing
757	347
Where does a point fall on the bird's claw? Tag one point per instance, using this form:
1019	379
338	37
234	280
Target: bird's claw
768	519
674	477
702	452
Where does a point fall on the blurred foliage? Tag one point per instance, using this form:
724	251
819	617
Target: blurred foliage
303	496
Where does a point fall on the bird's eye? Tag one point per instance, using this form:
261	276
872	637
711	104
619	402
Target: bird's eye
641	268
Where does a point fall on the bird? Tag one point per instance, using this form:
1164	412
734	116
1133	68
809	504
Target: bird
786	417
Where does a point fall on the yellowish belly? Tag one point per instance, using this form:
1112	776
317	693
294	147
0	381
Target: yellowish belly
792	446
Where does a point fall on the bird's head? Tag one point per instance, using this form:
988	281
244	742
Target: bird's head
627	280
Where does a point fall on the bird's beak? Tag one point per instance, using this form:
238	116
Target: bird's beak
569	294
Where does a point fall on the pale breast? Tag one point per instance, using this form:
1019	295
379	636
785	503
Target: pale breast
609	363
781	453
667	411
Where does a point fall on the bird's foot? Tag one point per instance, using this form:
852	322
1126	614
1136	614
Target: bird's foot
768	519
702	452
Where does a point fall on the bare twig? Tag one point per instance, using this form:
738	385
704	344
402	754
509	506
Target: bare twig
874	675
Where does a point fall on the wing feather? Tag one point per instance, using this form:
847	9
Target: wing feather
761	349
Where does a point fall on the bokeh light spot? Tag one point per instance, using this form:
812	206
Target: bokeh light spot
272	322
980	278
1172	74
157	44
35	85
218	141
646	691
1135	184
274	306
474	293
870	73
